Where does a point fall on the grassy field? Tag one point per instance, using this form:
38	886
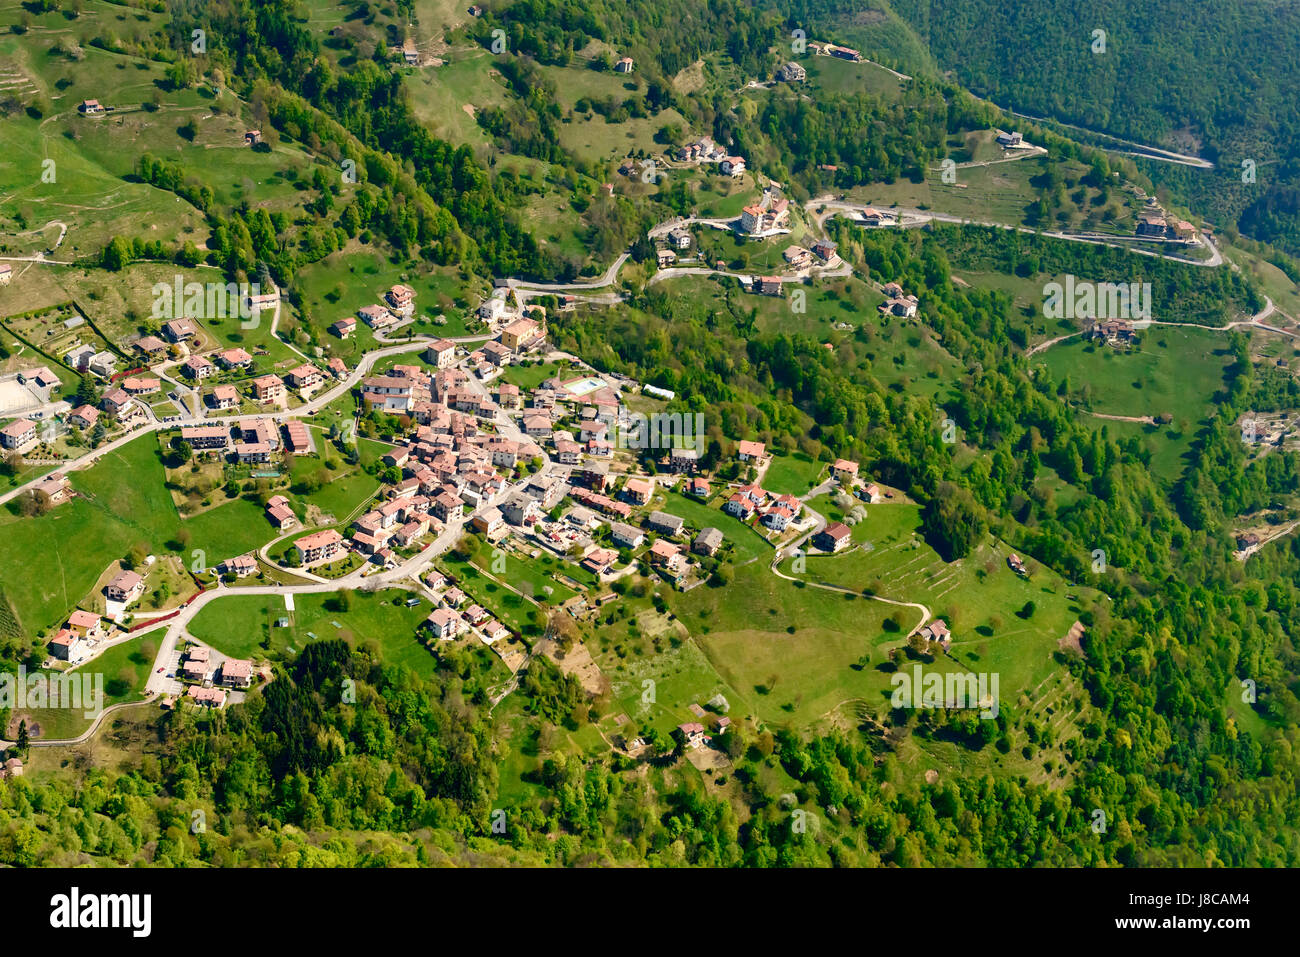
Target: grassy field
792	474
511	609
51	562
343	282
983	601
529	377
746	543
439	97
244	625
1175	369
124	669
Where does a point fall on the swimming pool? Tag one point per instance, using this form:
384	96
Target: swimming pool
584	386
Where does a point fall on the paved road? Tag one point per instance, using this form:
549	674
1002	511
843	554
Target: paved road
917	217
1255	321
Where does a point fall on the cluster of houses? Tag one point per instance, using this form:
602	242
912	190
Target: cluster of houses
455	615
86	358
78	637
897	302
769	216
250	441
1112	331
1153	223
398	304
823	253
676	240
705	150
774	511
207	680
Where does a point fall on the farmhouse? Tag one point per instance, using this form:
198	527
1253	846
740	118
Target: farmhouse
693	734
344	328
897	303
624	65
845	472
1113	331
1152	224
708	541
280	514
937	631
792	73
90	107
54	490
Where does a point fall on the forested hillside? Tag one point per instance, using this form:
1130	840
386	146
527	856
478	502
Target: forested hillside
1215	78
